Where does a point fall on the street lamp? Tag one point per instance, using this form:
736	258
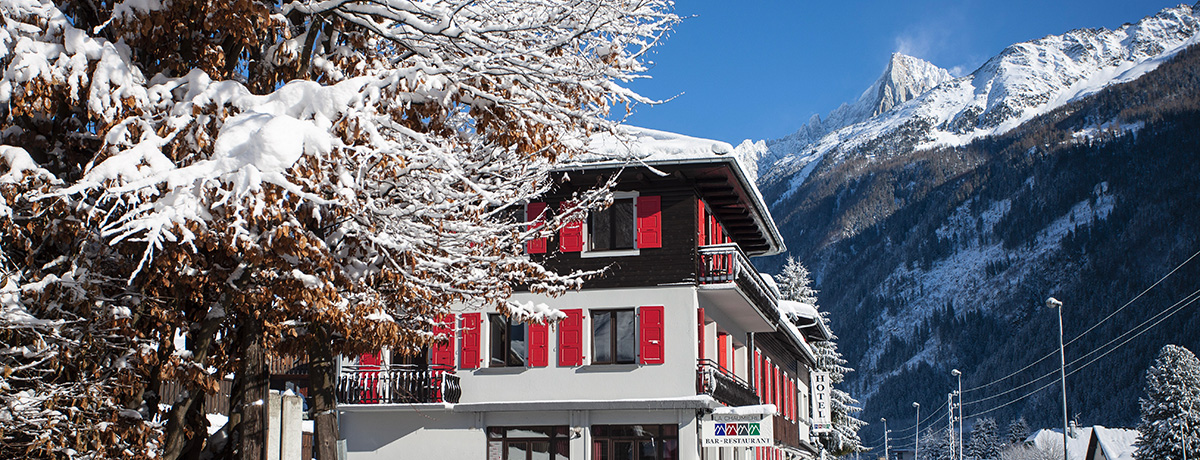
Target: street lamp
1062	356
917	436
885	439
956	373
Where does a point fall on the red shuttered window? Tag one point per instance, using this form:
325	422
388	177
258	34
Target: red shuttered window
539	345
442	353
700	332
650	326
469	356
533	215
649	222
570	338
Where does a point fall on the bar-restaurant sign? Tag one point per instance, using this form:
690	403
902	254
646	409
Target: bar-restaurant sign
717	430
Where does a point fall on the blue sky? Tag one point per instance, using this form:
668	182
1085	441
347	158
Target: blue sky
758	69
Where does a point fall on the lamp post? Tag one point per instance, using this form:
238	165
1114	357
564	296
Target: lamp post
957	373
885	439
1062	356
917	433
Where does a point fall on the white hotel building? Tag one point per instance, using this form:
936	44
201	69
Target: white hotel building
681	325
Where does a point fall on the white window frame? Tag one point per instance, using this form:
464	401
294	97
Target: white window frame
587	252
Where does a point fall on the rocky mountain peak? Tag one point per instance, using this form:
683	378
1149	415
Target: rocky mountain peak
905	78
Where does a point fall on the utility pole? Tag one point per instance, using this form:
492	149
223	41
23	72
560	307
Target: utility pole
950	418
1062	355
957	373
917	434
885	439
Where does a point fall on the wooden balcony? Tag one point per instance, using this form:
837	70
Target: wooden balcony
397	384
731	282
723	385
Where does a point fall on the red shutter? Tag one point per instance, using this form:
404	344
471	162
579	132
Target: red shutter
469	356
442	353
570	237
650	325
539	344
649	222
370	361
570	339
701	223
717	231
700	331
533	211
723	350
755	379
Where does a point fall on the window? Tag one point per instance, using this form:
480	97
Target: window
508	342
613	227
614	337
528	443
635	442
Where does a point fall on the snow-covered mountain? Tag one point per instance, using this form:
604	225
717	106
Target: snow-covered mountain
937	213
916	105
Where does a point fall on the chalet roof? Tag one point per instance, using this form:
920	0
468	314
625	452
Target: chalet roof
716	164
811	324
1115	443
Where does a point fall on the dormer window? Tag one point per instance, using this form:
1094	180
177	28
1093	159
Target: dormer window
612	228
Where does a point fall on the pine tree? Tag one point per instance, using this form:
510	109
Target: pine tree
935	445
796	285
188	185
1170	406
1018	431
985	443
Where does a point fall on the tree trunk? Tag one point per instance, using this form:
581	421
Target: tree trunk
323	381
175	434
255	385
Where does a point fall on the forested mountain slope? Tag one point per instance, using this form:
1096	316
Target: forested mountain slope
955	250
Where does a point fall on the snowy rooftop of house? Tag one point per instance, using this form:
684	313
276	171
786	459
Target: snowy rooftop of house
1051	440
655	149
811	323
1116	443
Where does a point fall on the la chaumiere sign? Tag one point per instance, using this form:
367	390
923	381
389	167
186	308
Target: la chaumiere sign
721	430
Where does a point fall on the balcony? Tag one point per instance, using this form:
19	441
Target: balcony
397	384
723	385
729	281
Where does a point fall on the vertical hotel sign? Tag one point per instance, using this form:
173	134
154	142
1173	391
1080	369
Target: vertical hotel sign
717	430
821	421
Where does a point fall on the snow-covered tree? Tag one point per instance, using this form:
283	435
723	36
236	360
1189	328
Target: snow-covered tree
985	442
935	445
189	184
1018	431
795	284
1170	406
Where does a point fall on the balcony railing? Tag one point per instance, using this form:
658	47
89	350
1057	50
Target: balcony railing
726	263
397	384
723	385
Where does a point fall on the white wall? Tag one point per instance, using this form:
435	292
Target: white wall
441	433
676	377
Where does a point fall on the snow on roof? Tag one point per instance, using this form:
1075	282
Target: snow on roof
800	309
653	145
633	145
1117	443
1051	440
760	409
